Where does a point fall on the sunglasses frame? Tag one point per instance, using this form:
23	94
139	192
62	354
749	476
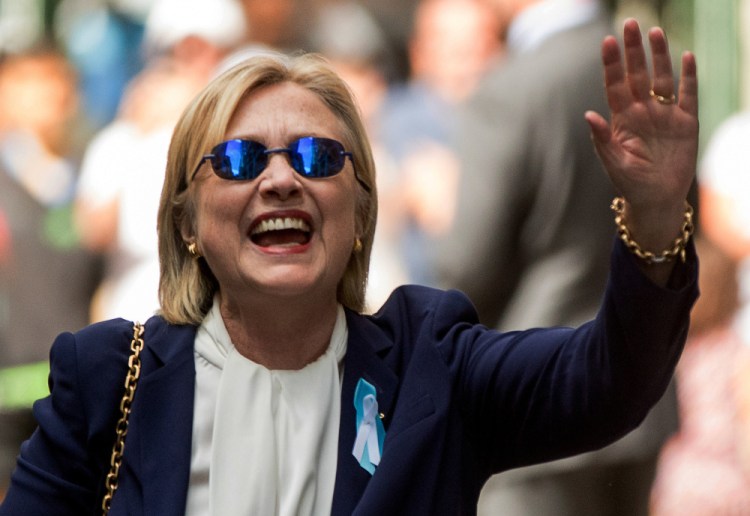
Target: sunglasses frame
285	150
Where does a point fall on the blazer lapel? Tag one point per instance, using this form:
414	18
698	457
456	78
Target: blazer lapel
160	434
366	349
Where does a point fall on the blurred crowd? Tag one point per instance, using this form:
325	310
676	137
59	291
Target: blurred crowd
487	182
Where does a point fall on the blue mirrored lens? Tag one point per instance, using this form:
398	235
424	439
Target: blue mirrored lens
317	157
239	159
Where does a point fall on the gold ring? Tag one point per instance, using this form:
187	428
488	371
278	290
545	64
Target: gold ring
661	99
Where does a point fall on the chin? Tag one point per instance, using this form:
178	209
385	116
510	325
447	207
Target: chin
288	282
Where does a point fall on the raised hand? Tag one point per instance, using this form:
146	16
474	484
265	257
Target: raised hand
649	147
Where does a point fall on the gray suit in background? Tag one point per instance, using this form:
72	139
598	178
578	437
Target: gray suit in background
531	243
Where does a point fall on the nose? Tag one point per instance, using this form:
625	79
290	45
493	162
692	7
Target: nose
279	178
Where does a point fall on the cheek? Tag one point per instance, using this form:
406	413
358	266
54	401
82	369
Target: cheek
215	209
346	213
217	223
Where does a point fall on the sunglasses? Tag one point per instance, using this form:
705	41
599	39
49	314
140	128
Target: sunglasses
310	157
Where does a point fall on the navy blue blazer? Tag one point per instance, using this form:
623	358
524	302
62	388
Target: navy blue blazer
461	402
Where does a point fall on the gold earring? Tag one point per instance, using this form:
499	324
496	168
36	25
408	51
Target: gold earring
193	250
357	245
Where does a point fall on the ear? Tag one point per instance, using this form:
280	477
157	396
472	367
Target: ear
186	230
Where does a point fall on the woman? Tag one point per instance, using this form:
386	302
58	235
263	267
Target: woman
261	370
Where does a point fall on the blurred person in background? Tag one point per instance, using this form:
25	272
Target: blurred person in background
724	186
123	168
452	44
705	468
103	39
277	24
529	242
46	279
351	39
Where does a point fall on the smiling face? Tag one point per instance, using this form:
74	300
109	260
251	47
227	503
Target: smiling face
279	236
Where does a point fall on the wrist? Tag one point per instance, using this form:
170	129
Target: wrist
656	237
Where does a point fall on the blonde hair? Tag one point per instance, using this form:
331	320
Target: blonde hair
187	285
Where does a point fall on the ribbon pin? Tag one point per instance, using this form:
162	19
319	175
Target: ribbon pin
368	446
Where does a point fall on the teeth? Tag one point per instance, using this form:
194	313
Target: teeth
279	223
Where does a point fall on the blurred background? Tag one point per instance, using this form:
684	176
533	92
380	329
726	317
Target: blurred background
89	93
95	34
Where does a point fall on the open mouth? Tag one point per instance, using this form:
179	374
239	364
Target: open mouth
281	231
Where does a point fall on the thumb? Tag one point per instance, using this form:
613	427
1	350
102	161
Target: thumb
600	131
601	137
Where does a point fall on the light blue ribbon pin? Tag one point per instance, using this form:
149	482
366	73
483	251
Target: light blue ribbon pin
368	446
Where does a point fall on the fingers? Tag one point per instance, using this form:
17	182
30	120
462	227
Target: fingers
635	61
688	98
663	81
614	75
630	81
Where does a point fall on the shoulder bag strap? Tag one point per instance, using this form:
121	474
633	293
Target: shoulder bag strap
131	382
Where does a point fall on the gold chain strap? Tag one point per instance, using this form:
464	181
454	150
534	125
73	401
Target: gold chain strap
131	382
667	255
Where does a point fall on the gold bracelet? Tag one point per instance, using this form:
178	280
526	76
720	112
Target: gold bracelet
667	255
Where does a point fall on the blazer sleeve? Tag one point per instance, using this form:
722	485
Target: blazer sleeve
61	468
541	394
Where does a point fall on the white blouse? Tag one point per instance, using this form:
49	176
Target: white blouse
264	441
